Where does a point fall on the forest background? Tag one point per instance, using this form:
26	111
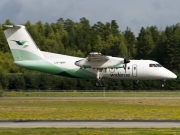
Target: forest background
81	38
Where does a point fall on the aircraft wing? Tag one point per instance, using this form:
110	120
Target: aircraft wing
97	60
95	56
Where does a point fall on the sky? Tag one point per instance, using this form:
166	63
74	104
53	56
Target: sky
134	14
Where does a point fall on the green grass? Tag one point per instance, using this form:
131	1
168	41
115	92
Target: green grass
86	131
138	108
91	94
90	109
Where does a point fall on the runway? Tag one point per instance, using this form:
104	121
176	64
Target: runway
91	124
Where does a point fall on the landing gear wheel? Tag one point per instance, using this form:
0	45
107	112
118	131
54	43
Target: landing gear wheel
99	83
163	83
102	84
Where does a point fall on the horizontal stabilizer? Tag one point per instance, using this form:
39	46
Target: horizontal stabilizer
13	26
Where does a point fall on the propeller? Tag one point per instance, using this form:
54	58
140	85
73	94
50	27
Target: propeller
126	61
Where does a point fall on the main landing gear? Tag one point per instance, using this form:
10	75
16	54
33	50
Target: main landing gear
100	73
99	83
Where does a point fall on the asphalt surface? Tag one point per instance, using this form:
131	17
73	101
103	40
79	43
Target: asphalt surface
91	124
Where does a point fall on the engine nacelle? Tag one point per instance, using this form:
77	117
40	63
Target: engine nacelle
85	63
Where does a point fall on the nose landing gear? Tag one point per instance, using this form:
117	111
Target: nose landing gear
163	83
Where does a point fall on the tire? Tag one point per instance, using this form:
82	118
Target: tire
97	83
163	85
102	84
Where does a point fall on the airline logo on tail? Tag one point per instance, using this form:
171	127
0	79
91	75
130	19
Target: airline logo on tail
21	43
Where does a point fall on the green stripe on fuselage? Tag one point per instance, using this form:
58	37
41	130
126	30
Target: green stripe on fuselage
32	61
20	55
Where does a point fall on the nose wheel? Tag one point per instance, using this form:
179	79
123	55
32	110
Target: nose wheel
163	83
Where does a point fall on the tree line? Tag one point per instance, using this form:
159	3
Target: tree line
79	39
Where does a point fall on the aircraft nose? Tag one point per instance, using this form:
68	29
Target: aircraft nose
174	76
171	75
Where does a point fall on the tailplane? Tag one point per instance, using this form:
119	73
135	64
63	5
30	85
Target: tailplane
21	44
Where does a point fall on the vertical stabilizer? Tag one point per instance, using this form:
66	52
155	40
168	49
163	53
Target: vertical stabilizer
21	44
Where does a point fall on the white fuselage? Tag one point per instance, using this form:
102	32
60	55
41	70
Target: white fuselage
135	70
138	70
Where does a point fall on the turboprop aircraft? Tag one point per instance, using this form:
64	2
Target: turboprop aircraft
96	66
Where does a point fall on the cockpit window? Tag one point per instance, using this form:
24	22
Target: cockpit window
152	65
155	65
158	65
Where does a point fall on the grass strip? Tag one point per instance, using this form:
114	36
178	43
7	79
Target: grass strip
88	131
91	94
90	109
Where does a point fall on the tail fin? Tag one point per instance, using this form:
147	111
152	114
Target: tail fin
21	44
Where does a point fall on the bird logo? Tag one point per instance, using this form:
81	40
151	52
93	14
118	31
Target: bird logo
21	43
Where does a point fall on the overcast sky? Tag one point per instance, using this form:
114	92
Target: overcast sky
132	13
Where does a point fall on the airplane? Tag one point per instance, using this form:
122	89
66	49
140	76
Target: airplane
96	66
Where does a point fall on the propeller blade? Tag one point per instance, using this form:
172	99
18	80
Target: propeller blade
125	67
126	61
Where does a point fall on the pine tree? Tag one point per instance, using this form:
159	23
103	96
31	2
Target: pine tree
115	28
131	42
145	44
